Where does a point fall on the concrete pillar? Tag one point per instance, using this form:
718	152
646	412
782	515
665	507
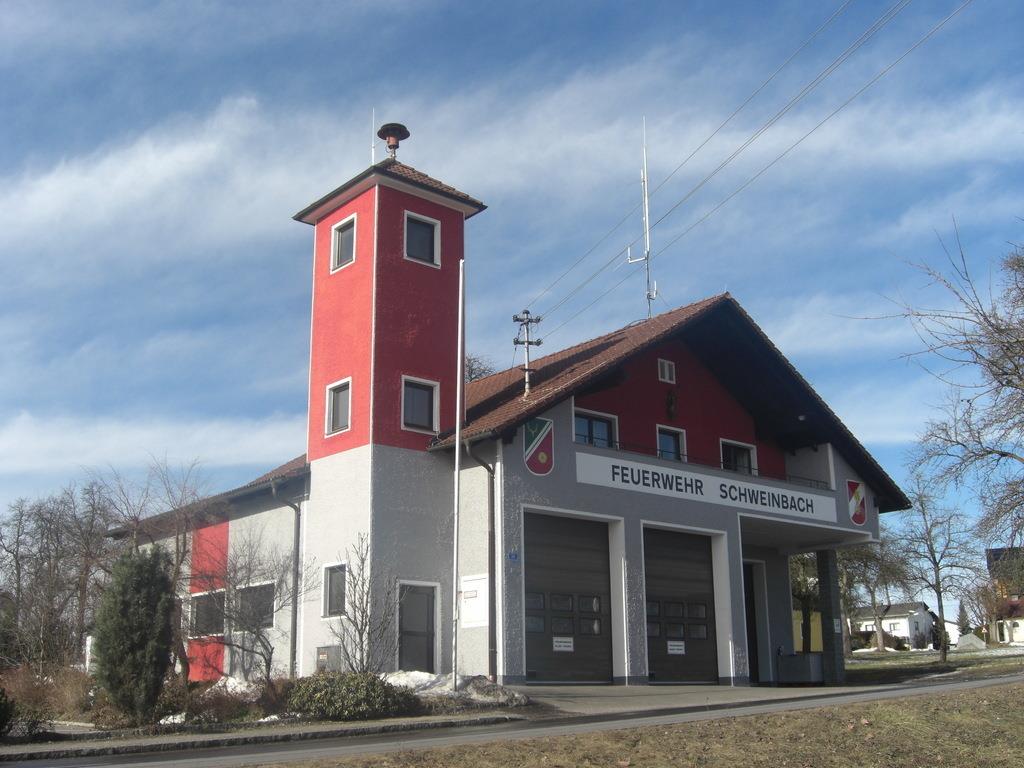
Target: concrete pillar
832	664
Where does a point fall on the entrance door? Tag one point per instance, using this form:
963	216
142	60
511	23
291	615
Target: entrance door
751	611
567	608
416	628
681	644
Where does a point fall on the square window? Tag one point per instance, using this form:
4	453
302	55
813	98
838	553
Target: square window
338	407
666	371
534	623
535	601
590	626
594	430
670	444
561	625
561	602
343	244
737	458
590	604
418	405
653	629
696	611
334	590
420	240
255	608
653	608
208	614
697	631
675	631
674	610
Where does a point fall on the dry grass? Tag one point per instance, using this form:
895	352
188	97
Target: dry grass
974	728
876	668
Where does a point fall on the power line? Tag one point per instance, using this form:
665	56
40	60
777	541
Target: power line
761	172
689	157
856	45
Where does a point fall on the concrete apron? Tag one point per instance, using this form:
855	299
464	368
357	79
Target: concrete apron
618	699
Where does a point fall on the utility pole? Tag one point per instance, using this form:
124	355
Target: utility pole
525	320
652	290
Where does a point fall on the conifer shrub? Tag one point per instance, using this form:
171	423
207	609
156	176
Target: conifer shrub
350	696
133	632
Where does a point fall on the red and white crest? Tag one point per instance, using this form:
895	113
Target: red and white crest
858	502
539	445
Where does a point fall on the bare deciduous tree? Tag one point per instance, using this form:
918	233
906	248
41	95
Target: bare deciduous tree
978	339
366	633
803	580
478	366
877	570
939	552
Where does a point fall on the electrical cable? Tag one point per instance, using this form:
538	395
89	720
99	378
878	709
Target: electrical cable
793	146
881	22
689	157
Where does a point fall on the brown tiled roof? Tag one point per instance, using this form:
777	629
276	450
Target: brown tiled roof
496	403
216	507
400	172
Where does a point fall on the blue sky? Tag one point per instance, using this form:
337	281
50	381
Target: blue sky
155	290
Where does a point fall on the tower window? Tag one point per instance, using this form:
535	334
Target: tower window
419	405
338	401
343	243
422	239
666	371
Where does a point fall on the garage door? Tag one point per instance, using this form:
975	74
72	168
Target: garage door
568	615
680	608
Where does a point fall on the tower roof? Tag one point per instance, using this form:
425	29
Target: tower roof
399	174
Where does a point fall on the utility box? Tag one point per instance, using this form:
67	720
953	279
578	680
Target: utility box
800	669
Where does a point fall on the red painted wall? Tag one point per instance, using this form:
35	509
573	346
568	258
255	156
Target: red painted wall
209	564
341	338
417	316
703	407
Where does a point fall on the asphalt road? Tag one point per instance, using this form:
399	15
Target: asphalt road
261	754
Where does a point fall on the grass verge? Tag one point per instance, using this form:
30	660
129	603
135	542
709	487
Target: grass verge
978	728
881	668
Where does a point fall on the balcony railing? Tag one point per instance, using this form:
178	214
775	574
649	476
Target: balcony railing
702	461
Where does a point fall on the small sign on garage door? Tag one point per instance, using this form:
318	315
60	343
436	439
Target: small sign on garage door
676	647
562	644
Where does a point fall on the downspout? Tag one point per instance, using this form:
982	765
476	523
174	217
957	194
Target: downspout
492	612
293	635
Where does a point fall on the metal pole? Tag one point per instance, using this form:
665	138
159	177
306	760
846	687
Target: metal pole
458	465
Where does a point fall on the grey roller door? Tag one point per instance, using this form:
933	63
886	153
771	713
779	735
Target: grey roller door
681	645
567	610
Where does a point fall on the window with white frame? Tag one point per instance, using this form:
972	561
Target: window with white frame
869	627
338	406
207	614
256	607
737	457
671	444
343	243
334	590
593	429
419	405
422	239
666	371
893	626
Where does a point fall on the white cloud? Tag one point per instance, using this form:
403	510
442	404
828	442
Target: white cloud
67	444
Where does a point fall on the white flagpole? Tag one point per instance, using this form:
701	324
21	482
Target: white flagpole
458	463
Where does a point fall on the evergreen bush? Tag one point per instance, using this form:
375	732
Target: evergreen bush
350	696
133	632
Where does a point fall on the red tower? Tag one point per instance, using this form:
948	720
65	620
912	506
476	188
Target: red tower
383	346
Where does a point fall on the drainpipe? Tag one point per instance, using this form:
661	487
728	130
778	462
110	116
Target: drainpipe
492	629
293	635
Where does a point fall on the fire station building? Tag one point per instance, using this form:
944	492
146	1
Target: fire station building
629	520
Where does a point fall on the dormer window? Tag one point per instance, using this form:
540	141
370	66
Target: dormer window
422	239
343	243
666	371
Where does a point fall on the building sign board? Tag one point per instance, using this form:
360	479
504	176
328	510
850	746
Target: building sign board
562	644
696	486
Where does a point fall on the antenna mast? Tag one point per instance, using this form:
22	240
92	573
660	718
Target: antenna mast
525	320
652	290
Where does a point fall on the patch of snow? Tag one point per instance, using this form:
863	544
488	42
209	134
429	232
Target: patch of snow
173	719
477	689
269	719
873	650
234	687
